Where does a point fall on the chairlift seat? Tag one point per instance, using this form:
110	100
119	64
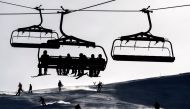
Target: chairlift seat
33	41
143	58
32	45
55	62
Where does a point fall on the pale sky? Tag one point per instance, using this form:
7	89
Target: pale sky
19	64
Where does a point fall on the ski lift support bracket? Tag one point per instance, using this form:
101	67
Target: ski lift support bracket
36	28
144	36
67	39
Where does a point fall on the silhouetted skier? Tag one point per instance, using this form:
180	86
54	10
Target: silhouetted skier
60	85
77	106
19	89
81	64
92	69
99	85
30	89
44	61
67	64
74	66
42	100
59	68
156	105
100	62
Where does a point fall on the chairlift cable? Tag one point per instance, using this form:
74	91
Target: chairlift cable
16	4
129	10
120	11
112	10
51	9
93	5
179	6
26	13
83	9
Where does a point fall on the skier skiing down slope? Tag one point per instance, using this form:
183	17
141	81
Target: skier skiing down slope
30	88
42	100
99	87
19	89
77	106
60	85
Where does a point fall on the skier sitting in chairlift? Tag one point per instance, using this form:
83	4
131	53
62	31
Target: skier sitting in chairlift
44	61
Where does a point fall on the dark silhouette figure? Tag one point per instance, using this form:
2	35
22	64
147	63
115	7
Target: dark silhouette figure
99	85
30	89
59	68
44	61
67	64
100	64
81	64
60	85
92	69
74	63
19	89
77	106
156	105
74	68
42	100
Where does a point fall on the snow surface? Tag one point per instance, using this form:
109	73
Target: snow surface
66	99
172	92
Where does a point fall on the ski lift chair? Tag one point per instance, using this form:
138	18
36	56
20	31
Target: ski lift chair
55	61
34	36
131	47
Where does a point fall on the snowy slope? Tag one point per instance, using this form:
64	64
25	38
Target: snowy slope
171	92
67	99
